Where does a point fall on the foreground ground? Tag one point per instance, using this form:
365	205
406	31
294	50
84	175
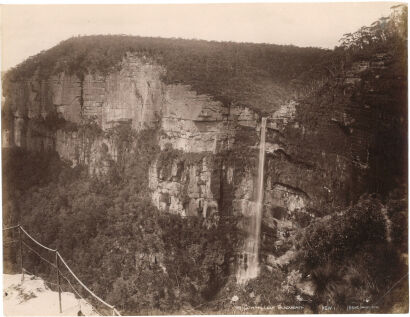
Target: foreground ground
33	298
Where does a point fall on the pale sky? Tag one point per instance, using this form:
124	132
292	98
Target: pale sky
28	29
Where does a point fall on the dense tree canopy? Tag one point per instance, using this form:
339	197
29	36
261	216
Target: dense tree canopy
228	71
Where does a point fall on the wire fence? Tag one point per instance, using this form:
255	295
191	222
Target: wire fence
66	278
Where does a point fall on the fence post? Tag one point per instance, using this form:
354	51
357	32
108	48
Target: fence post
21	254
113	311
58	282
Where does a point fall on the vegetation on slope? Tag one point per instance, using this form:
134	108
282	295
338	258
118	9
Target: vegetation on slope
111	235
356	257
230	72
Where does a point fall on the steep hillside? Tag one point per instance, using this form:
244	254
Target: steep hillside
230	72
146	150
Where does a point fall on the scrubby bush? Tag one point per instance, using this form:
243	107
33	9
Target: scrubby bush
350	256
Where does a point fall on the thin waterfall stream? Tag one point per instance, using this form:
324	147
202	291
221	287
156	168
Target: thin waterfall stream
249	262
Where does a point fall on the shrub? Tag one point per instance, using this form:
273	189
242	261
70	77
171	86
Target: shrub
350	257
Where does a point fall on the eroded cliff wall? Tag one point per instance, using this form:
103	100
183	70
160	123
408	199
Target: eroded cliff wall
318	150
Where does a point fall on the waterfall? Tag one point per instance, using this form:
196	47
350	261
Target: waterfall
249	262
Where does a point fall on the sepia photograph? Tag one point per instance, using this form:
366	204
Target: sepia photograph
177	158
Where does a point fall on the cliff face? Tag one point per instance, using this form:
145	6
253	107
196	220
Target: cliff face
318	151
132	94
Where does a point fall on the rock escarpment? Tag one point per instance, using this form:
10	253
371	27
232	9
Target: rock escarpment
319	150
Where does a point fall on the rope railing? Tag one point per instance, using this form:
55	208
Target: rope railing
59	274
9	228
72	287
10	242
34	240
78	294
82	284
39	255
46	282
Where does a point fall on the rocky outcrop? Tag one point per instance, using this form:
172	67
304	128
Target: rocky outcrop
186	189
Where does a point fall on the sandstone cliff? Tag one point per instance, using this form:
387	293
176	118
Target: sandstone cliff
318	151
